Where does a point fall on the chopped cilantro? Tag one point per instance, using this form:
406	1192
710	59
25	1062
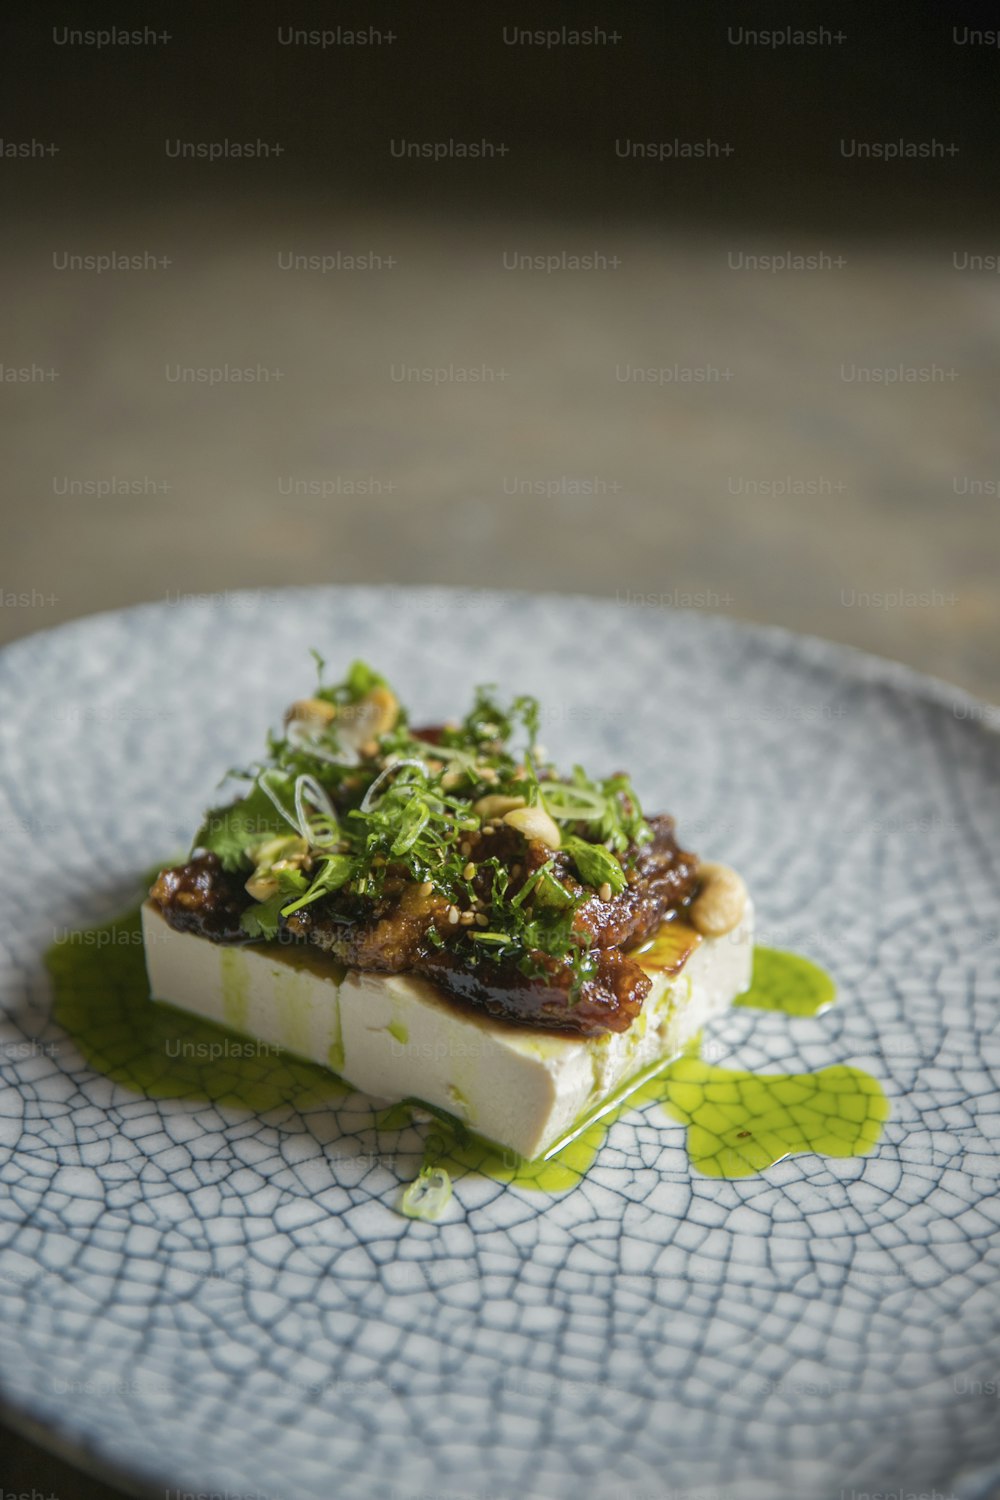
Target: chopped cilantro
329	813
335	872
231	831
263	919
360	680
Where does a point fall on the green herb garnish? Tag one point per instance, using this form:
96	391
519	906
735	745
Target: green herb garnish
230	832
348	797
595	864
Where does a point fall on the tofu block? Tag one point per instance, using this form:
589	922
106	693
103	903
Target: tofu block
397	1037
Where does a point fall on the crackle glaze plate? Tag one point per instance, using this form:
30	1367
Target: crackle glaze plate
202	1294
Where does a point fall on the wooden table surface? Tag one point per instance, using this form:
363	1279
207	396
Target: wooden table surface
812	447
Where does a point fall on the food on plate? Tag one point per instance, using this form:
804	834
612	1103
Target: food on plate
437	913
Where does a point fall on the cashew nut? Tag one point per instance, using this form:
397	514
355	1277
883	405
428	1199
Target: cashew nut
496	806
721	901
535	823
368	719
311	711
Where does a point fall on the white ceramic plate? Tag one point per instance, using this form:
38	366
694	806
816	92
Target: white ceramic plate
198	1296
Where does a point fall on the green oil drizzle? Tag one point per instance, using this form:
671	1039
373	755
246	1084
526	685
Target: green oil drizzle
102	1001
737	1123
741	1123
235	990
787	982
335	1055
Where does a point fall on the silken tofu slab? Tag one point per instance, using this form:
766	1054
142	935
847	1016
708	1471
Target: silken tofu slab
396	1036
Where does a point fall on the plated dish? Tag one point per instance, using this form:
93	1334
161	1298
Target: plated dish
438	914
205	1282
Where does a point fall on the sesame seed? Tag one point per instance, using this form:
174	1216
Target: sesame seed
453	915
466	919
605	892
469	871
465	848
482	920
426	887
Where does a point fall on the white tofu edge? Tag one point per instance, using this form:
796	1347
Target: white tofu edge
397	1037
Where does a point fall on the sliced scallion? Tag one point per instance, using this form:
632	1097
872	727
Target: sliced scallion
427	1196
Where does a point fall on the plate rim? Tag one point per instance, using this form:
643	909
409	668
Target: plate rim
855	663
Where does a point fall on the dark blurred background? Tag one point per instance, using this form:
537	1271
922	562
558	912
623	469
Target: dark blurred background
694	418
710	321
441	70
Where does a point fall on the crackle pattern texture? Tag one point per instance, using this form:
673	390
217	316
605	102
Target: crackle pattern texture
201	1295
